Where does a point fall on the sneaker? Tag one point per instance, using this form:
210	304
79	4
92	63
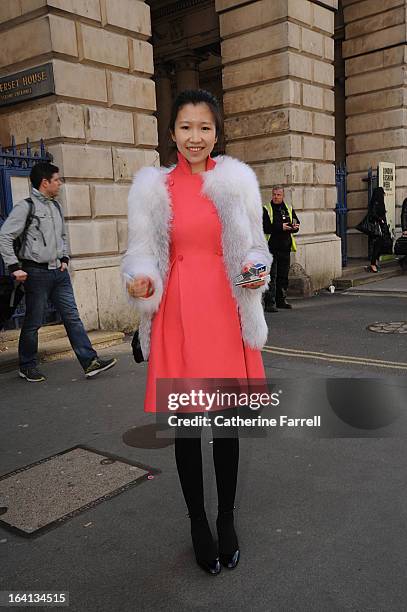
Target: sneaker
31	374
98	365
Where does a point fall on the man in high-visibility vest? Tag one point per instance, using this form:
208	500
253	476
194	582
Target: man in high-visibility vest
280	223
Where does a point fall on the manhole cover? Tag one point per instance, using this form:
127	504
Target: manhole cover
390	327
46	493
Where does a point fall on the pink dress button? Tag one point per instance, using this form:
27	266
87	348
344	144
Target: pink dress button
180	257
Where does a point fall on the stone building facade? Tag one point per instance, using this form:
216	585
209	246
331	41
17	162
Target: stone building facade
275	65
375	59
99	126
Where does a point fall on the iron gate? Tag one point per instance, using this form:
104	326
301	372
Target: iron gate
17	163
372	182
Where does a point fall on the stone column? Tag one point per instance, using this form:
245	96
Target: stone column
278	79
186	72
99	126
164	97
376	97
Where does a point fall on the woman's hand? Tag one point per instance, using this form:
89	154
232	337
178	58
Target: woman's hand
404	233
140	287
258	284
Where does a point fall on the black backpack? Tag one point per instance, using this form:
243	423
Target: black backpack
18	242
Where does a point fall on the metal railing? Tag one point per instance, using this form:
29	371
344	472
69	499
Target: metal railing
341	210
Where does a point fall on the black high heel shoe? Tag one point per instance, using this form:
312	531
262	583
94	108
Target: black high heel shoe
229	553
204	545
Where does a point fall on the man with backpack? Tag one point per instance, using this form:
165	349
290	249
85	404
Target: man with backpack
36	229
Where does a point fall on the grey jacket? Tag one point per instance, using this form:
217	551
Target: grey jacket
46	240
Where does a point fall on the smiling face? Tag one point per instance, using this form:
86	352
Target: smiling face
195	134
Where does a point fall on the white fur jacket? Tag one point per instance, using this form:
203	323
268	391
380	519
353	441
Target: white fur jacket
233	188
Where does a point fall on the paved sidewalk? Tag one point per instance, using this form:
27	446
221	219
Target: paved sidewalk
321	521
397	284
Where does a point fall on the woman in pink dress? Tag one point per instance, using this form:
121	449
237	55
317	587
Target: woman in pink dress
192	229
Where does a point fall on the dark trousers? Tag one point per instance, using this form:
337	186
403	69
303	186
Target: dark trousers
43	285
279	276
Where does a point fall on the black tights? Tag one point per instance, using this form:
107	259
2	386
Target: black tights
188	458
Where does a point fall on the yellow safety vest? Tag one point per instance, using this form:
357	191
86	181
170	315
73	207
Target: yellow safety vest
269	209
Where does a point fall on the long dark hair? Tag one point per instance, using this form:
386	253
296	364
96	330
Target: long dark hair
378	195
377	201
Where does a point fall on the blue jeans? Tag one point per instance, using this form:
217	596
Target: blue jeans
43	285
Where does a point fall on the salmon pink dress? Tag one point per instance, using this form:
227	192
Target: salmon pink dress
196	331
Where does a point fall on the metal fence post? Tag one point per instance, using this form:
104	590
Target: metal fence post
341	210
